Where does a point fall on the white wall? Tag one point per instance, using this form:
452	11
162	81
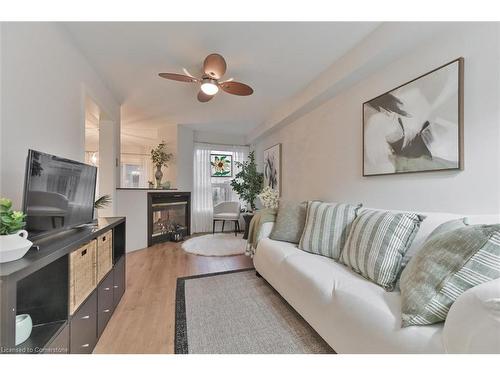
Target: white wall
185	144
322	149
220	138
45	80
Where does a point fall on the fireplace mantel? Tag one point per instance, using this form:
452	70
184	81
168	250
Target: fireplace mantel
168	212
132	204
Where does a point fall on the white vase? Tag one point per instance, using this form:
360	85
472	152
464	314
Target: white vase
14	246
24	326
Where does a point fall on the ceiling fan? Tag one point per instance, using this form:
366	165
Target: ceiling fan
214	68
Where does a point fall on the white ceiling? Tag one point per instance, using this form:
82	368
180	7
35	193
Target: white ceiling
277	59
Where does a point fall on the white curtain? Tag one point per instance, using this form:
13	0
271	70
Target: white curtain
202	182
202	189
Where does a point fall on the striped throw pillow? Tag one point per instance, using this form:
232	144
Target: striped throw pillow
377	243
448	265
327	227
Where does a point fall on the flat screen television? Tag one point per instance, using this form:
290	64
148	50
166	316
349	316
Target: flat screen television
58	194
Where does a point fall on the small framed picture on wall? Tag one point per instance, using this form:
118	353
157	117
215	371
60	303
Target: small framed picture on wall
272	167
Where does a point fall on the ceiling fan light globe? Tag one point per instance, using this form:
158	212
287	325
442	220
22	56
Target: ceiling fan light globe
209	87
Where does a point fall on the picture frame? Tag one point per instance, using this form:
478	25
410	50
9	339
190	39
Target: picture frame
419	123
272	167
221	165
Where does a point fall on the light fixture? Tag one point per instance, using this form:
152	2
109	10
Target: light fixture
209	86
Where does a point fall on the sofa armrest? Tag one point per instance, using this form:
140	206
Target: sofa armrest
473	322
265	231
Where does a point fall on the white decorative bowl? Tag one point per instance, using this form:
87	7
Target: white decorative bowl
24	325
14	246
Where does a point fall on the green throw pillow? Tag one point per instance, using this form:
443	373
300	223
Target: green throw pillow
327	227
448	264
377	242
290	221
449	226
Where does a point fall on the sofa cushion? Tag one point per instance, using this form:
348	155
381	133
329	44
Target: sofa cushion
448	226
449	264
327	227
377	243
290	221
431	221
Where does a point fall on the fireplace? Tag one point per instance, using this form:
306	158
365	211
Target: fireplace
169	216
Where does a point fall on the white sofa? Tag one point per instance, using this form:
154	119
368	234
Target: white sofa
354	315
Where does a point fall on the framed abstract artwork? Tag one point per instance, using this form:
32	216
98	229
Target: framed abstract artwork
418	126
272	167
221	165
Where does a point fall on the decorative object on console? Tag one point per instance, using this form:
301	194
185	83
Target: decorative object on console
269	197
14	242
383	237
160	157
24	326
290	221
417	126
449	264
327	226
221	165
272	167
103	202
248	182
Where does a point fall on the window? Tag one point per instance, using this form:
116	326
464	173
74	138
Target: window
221	186
136	169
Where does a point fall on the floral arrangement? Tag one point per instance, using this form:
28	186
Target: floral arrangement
160	156
269	197
10	221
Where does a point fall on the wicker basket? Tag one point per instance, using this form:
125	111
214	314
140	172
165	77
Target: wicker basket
104	254
82	274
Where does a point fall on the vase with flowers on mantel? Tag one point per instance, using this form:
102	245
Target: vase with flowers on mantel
160	157
158	176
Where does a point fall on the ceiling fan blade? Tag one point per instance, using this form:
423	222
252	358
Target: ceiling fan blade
214	66
236	88
202	97
178	77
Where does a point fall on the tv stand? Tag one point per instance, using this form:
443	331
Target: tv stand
39	285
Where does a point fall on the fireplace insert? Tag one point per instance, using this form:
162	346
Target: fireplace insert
169	216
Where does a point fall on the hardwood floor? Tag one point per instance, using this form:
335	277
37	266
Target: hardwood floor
144	321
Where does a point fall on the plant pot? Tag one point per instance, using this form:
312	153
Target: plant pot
14	246
24	326
158	176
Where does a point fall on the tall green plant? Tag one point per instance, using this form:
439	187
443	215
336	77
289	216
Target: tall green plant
248	182
10	221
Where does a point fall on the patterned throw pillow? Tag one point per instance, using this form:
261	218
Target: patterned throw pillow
327	227
377	243
290	221
448	265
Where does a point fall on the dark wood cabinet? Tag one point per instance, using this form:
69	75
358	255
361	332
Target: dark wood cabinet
60	344
118	281
38	285
105	303
83	327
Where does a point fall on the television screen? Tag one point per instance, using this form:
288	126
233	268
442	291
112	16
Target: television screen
58	194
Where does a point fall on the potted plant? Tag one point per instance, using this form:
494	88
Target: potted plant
160	157
13	238
248	182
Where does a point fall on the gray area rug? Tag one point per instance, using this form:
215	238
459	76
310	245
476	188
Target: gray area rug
239	313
